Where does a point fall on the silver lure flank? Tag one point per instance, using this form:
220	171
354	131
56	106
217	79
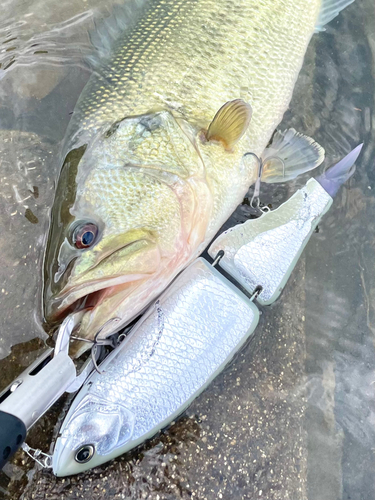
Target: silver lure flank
183	341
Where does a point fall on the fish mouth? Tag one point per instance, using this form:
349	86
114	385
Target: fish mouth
88	291
140	269
90	295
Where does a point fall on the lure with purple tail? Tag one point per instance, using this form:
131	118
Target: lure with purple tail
336	176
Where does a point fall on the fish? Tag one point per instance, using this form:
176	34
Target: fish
155	157
190	333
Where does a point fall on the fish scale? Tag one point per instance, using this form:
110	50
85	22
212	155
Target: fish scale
259	44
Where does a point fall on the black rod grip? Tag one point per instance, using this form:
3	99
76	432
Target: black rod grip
12	435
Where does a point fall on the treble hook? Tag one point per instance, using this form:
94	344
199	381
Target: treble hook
98	342
255	200
257	182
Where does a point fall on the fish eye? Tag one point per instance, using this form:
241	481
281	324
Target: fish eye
85	453
84	235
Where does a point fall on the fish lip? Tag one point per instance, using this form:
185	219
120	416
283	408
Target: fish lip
68	298
63	301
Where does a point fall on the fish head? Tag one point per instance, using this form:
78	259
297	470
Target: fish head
126	216
94	429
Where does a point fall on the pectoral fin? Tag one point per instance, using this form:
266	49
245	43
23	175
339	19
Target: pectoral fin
289	155
230	123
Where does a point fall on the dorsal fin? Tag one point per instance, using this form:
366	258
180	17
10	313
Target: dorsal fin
230	123
329	10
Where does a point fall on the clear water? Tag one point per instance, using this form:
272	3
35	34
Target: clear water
293	417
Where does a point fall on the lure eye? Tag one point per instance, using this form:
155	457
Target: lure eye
84	454
85	235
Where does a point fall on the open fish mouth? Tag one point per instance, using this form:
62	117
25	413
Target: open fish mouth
90	295
119	272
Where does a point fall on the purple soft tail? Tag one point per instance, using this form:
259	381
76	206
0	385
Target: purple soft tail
336	176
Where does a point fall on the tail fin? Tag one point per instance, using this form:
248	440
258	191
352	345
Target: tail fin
336	176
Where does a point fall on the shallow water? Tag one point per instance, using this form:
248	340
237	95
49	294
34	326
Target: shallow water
293	415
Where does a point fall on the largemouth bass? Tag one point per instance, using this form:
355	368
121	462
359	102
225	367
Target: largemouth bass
154	155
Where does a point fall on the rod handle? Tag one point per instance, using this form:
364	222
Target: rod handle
12	435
